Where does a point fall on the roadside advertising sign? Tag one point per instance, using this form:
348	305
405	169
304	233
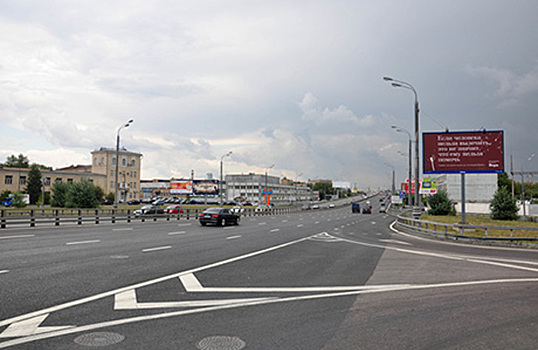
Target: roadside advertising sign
405	186
206	187
181	187
396	200
463	152
428	186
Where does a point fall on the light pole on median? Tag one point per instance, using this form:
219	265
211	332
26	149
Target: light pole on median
398	129
523	187
220	184
265	189
406	85
118	161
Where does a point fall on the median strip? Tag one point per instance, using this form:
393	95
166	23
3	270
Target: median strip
84	242
156	248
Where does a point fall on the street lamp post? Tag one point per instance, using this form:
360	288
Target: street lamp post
523	188
220	184
272	166
393	177
398	129
406	85
116	192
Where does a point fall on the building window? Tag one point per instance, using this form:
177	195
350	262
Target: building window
133	162
111	184
102	161
22	180
47	181
69	181
114	160
111	172
123	161
58	180
9	179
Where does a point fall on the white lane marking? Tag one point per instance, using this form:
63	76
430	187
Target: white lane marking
123	229
229	228
300	225
183	225
394	241
275	230
143	284
234	237
29	327
137	319
84	242
317	222
262	223
156	248
128	301
176	233
284	220
3	271
373	222
20	236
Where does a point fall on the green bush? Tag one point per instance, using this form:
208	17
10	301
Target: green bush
81	194
440	204
502	206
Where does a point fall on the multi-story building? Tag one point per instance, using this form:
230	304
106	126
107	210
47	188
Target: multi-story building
104	162
101	173
250	188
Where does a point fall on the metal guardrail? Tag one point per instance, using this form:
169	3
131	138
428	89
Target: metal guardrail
56	217
458	231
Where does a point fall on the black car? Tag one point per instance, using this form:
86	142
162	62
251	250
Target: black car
218	216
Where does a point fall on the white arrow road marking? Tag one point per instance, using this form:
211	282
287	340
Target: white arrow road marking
29	327
127	301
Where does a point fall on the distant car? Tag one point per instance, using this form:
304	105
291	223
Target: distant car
133	202
306	207
107	202
149	210
263	207
355	208
173	209
382	209
218	216
367	209
315	206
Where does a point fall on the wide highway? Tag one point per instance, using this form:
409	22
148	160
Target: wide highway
317	279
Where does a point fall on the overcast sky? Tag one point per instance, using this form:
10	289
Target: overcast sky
297	84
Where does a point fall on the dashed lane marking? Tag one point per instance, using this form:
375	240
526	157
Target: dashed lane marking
84	242
275	230
234	237
156	248
19	236
176	233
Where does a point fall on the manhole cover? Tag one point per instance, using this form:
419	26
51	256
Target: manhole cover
221	343
99	339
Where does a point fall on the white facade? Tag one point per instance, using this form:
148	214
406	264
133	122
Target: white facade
479	188
249	187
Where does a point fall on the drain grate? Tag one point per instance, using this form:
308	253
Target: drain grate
99	339
221	343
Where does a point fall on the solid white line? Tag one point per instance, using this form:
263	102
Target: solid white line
21	236
183	225
275	230
84	242
156	248
176	233
234	237
123	229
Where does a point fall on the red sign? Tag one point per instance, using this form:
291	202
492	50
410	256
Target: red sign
463	152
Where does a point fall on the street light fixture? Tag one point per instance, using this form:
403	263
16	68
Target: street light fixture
406	85
118	161
399	129
220	184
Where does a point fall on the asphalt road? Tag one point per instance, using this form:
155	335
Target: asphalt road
321	279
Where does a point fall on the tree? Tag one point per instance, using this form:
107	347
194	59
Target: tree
17	162
440	204
34	184
503	180
502	206
59	193
18	201
81	195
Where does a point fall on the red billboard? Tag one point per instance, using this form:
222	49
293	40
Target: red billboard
463	152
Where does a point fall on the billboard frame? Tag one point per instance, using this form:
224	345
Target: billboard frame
462	169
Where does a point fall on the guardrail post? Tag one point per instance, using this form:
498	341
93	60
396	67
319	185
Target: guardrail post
188	214
79	221
32	218
128	215
56	217
114	215
3	215
96	216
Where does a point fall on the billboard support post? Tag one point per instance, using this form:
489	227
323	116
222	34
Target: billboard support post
463	197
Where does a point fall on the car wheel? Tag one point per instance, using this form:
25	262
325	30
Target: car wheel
221	222
236	222
203	223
